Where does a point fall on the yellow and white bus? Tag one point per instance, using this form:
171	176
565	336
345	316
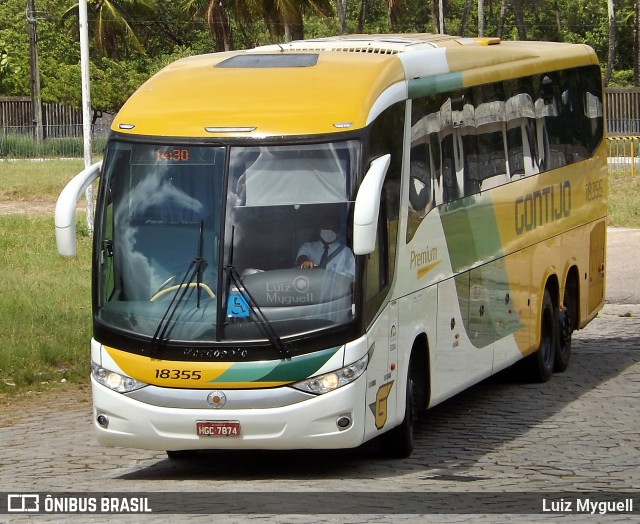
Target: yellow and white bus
305	245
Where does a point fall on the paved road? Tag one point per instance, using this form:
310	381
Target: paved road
578	432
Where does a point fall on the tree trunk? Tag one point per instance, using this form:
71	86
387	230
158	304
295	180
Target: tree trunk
437	16
612	41
341	9
636	45
480	17
218	20
362	16
296	26
520	25
465	15
394	18
503	17
558	22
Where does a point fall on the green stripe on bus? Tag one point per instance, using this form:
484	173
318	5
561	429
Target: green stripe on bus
297	368
431	85
471	231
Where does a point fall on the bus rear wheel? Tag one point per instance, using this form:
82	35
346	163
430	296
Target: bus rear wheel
565	330
539	365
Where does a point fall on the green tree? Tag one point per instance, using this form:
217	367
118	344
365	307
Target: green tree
7	70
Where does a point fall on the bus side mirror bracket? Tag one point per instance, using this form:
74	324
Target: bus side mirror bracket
65	217
367	207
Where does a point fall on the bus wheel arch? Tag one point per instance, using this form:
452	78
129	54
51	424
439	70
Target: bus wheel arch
398	442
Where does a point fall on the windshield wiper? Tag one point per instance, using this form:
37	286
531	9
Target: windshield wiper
194	271
261	319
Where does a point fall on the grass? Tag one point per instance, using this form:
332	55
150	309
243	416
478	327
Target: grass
45	299
35	180
624	203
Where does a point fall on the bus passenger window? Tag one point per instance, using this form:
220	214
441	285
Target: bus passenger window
550	132
521	117
490	119
420	187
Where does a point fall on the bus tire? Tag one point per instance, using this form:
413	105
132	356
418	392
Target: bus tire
183	454
563	349
398	442
539	365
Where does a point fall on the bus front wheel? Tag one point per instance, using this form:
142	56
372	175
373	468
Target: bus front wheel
398	442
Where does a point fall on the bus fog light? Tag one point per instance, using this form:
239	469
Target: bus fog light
335	379
343	422
103	421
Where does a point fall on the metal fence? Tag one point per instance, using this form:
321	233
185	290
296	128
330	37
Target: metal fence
61	130
622	110
60	141
624	155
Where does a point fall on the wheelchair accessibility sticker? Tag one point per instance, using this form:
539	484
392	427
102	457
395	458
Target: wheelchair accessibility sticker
237	306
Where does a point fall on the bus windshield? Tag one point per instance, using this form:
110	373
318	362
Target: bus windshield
209	242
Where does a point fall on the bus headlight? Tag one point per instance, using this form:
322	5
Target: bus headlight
113	380
335	379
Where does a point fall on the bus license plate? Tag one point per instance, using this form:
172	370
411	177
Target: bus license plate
206	428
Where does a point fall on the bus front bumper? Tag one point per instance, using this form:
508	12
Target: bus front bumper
317	423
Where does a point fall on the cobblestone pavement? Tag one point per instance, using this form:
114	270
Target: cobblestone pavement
578	432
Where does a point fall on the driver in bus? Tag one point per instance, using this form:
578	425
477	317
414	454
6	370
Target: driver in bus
328	252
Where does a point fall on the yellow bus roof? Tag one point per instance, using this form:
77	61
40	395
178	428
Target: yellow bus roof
324	85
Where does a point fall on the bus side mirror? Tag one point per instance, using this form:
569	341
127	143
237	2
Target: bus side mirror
367	207
65	218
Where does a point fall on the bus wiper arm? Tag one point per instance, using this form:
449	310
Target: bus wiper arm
261	319
194	272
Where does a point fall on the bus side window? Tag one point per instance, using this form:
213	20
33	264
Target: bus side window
521	119
420	187
551	133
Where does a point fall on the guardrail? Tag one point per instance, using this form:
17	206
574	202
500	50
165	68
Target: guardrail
623	153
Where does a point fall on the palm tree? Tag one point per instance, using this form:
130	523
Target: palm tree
110	21
217	18
282	17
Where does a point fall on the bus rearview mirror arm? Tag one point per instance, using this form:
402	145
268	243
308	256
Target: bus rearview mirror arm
65	217
367	207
